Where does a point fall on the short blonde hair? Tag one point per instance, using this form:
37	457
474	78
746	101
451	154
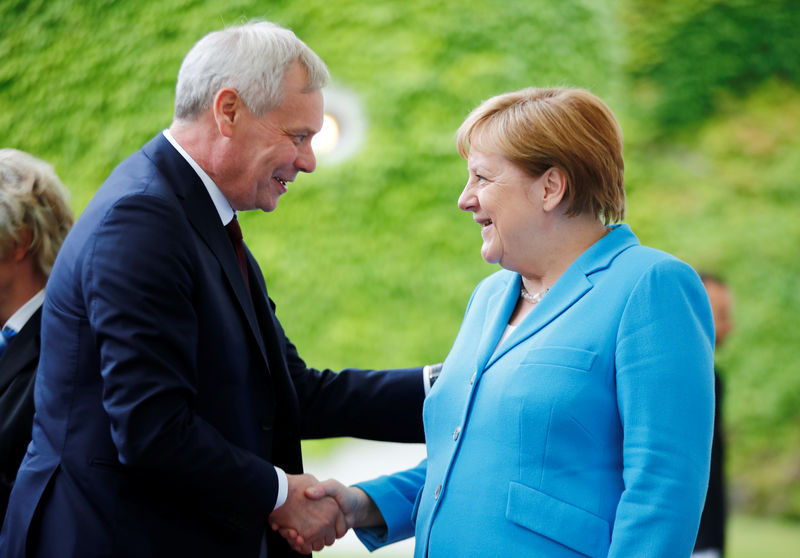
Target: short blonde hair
32	198
571	129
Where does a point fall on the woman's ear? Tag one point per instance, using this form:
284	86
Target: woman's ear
555	188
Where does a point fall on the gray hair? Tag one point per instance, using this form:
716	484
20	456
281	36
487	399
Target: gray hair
32	198
251	58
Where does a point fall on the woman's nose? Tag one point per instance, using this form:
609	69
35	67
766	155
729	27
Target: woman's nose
467	200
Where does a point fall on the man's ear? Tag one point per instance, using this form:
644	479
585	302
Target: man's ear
228	109
555	188
21	250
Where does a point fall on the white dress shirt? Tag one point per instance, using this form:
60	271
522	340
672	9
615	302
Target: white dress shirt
19	318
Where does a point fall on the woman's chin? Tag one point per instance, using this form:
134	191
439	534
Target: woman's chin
489	255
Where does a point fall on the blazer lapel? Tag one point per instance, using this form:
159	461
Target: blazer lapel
205	220
569	288
498	311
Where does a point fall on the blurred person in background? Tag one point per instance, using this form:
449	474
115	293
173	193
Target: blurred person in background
170	403
34	219
711	535
573	415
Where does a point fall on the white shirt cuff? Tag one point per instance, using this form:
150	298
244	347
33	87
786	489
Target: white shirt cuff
426	378
283	488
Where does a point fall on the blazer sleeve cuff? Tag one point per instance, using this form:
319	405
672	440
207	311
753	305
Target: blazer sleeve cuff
396	497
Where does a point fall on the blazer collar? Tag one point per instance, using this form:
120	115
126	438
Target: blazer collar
205	220
570	287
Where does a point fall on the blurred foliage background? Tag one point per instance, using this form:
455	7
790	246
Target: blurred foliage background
370	261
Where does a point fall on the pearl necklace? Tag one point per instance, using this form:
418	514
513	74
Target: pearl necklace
532	298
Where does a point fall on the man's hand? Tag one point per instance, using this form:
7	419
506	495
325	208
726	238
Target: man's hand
308	524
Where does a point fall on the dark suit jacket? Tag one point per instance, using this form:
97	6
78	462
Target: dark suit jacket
165	393
712	522
17	371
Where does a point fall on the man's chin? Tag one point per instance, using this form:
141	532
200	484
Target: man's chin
268	205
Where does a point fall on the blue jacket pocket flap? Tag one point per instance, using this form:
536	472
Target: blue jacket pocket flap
557	520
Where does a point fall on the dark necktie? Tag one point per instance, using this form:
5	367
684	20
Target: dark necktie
5	336
235	234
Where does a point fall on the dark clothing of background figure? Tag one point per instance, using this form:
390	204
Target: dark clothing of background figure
17	372
166	392
712	522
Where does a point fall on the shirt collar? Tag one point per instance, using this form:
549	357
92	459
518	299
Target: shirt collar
223	207
19	318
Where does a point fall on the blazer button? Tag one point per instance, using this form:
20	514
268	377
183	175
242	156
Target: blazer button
472	380
437	492
456	432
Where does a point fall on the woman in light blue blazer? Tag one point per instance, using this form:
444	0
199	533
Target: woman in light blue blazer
573	415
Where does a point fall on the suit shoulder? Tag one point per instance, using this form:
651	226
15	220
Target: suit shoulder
136	175
135	183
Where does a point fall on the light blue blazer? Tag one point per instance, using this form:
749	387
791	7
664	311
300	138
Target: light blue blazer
587	432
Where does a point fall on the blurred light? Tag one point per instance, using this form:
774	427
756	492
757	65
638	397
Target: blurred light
328	137
343	127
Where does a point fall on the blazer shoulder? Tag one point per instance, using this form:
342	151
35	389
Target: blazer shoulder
641	260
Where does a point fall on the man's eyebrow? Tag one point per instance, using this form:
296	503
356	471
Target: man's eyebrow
304	131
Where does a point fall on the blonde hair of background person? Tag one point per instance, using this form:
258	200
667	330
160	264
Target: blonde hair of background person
34	211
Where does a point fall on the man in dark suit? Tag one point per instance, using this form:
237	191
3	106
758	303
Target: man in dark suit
34	219
710	541
169	402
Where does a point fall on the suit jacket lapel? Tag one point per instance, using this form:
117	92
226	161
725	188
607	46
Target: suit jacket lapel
22	351
205	220
569	288
267	320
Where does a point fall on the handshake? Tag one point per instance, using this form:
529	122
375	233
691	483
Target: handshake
315	513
